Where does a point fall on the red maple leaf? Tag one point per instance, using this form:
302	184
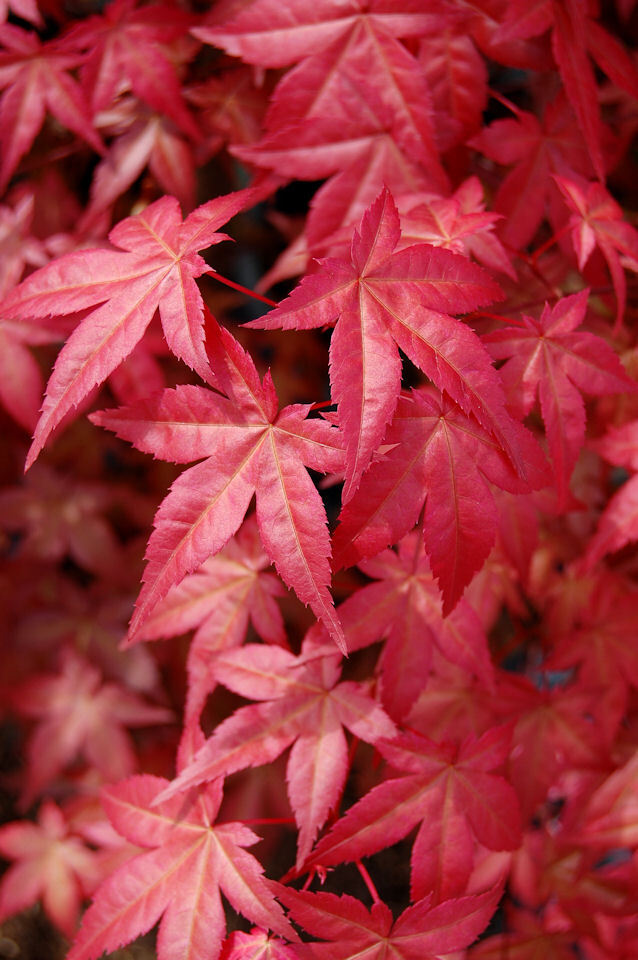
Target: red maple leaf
249	447
555	730
155	267
459	223
598	220
450	790
126	47
36	78
305	704
457	80
618	524
443	458
189	859
422	932
549	358
405	607
536	148
383	300
141	138
57	517
574	36
257	945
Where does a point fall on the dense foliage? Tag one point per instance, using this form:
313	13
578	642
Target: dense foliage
368	581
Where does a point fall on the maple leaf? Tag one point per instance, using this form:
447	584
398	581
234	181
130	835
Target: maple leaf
531	940
449	789
264	33
186	852
36	78
598	221
574	35
446	459
405	607
142	138
456	77
555	729
249	448
385	300
218	600
335	110
458	223
537	148
618	524
600	637
422	932
93	622
257	945
549	358
51	864
80	715
305	705
231	106
56	517
124	47
155	267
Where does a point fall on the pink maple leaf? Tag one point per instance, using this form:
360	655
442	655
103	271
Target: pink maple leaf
51	864
597	220
188	860
129	46
155	267
36	80
79	715
446	460
249	448
218	600
404	605
305	704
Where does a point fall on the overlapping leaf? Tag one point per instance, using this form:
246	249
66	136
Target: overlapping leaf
249	448
155	266
190	859
404	605
422	932
447	460
35	78
547	356
384	300
218	600
451	792
304	704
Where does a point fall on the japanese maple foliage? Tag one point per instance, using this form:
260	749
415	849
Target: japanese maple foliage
326	545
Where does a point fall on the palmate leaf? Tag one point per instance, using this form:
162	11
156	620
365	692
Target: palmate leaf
422	932
250	448
404	606
155	267
306	705
446	459
450	790
189	860
218	600
547	356
383	300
